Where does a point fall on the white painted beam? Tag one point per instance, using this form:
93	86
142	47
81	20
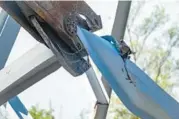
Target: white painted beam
98	87
32	67
26	71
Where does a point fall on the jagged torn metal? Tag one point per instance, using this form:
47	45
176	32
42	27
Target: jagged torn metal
143	97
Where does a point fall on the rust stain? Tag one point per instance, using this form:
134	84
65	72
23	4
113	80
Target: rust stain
41	13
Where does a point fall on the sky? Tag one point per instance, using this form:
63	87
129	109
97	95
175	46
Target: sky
70	96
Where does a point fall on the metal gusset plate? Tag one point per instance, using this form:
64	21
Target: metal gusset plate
54	13
64	16
74	67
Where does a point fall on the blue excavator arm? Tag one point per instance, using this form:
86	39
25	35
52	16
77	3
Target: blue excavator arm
142	96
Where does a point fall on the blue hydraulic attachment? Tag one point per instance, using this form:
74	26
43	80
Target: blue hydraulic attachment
139	93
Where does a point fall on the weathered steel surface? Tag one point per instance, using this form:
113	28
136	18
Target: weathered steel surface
62	16
56	12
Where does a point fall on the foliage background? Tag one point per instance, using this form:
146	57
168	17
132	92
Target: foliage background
154	38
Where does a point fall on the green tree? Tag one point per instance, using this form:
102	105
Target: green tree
152	39
38	113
